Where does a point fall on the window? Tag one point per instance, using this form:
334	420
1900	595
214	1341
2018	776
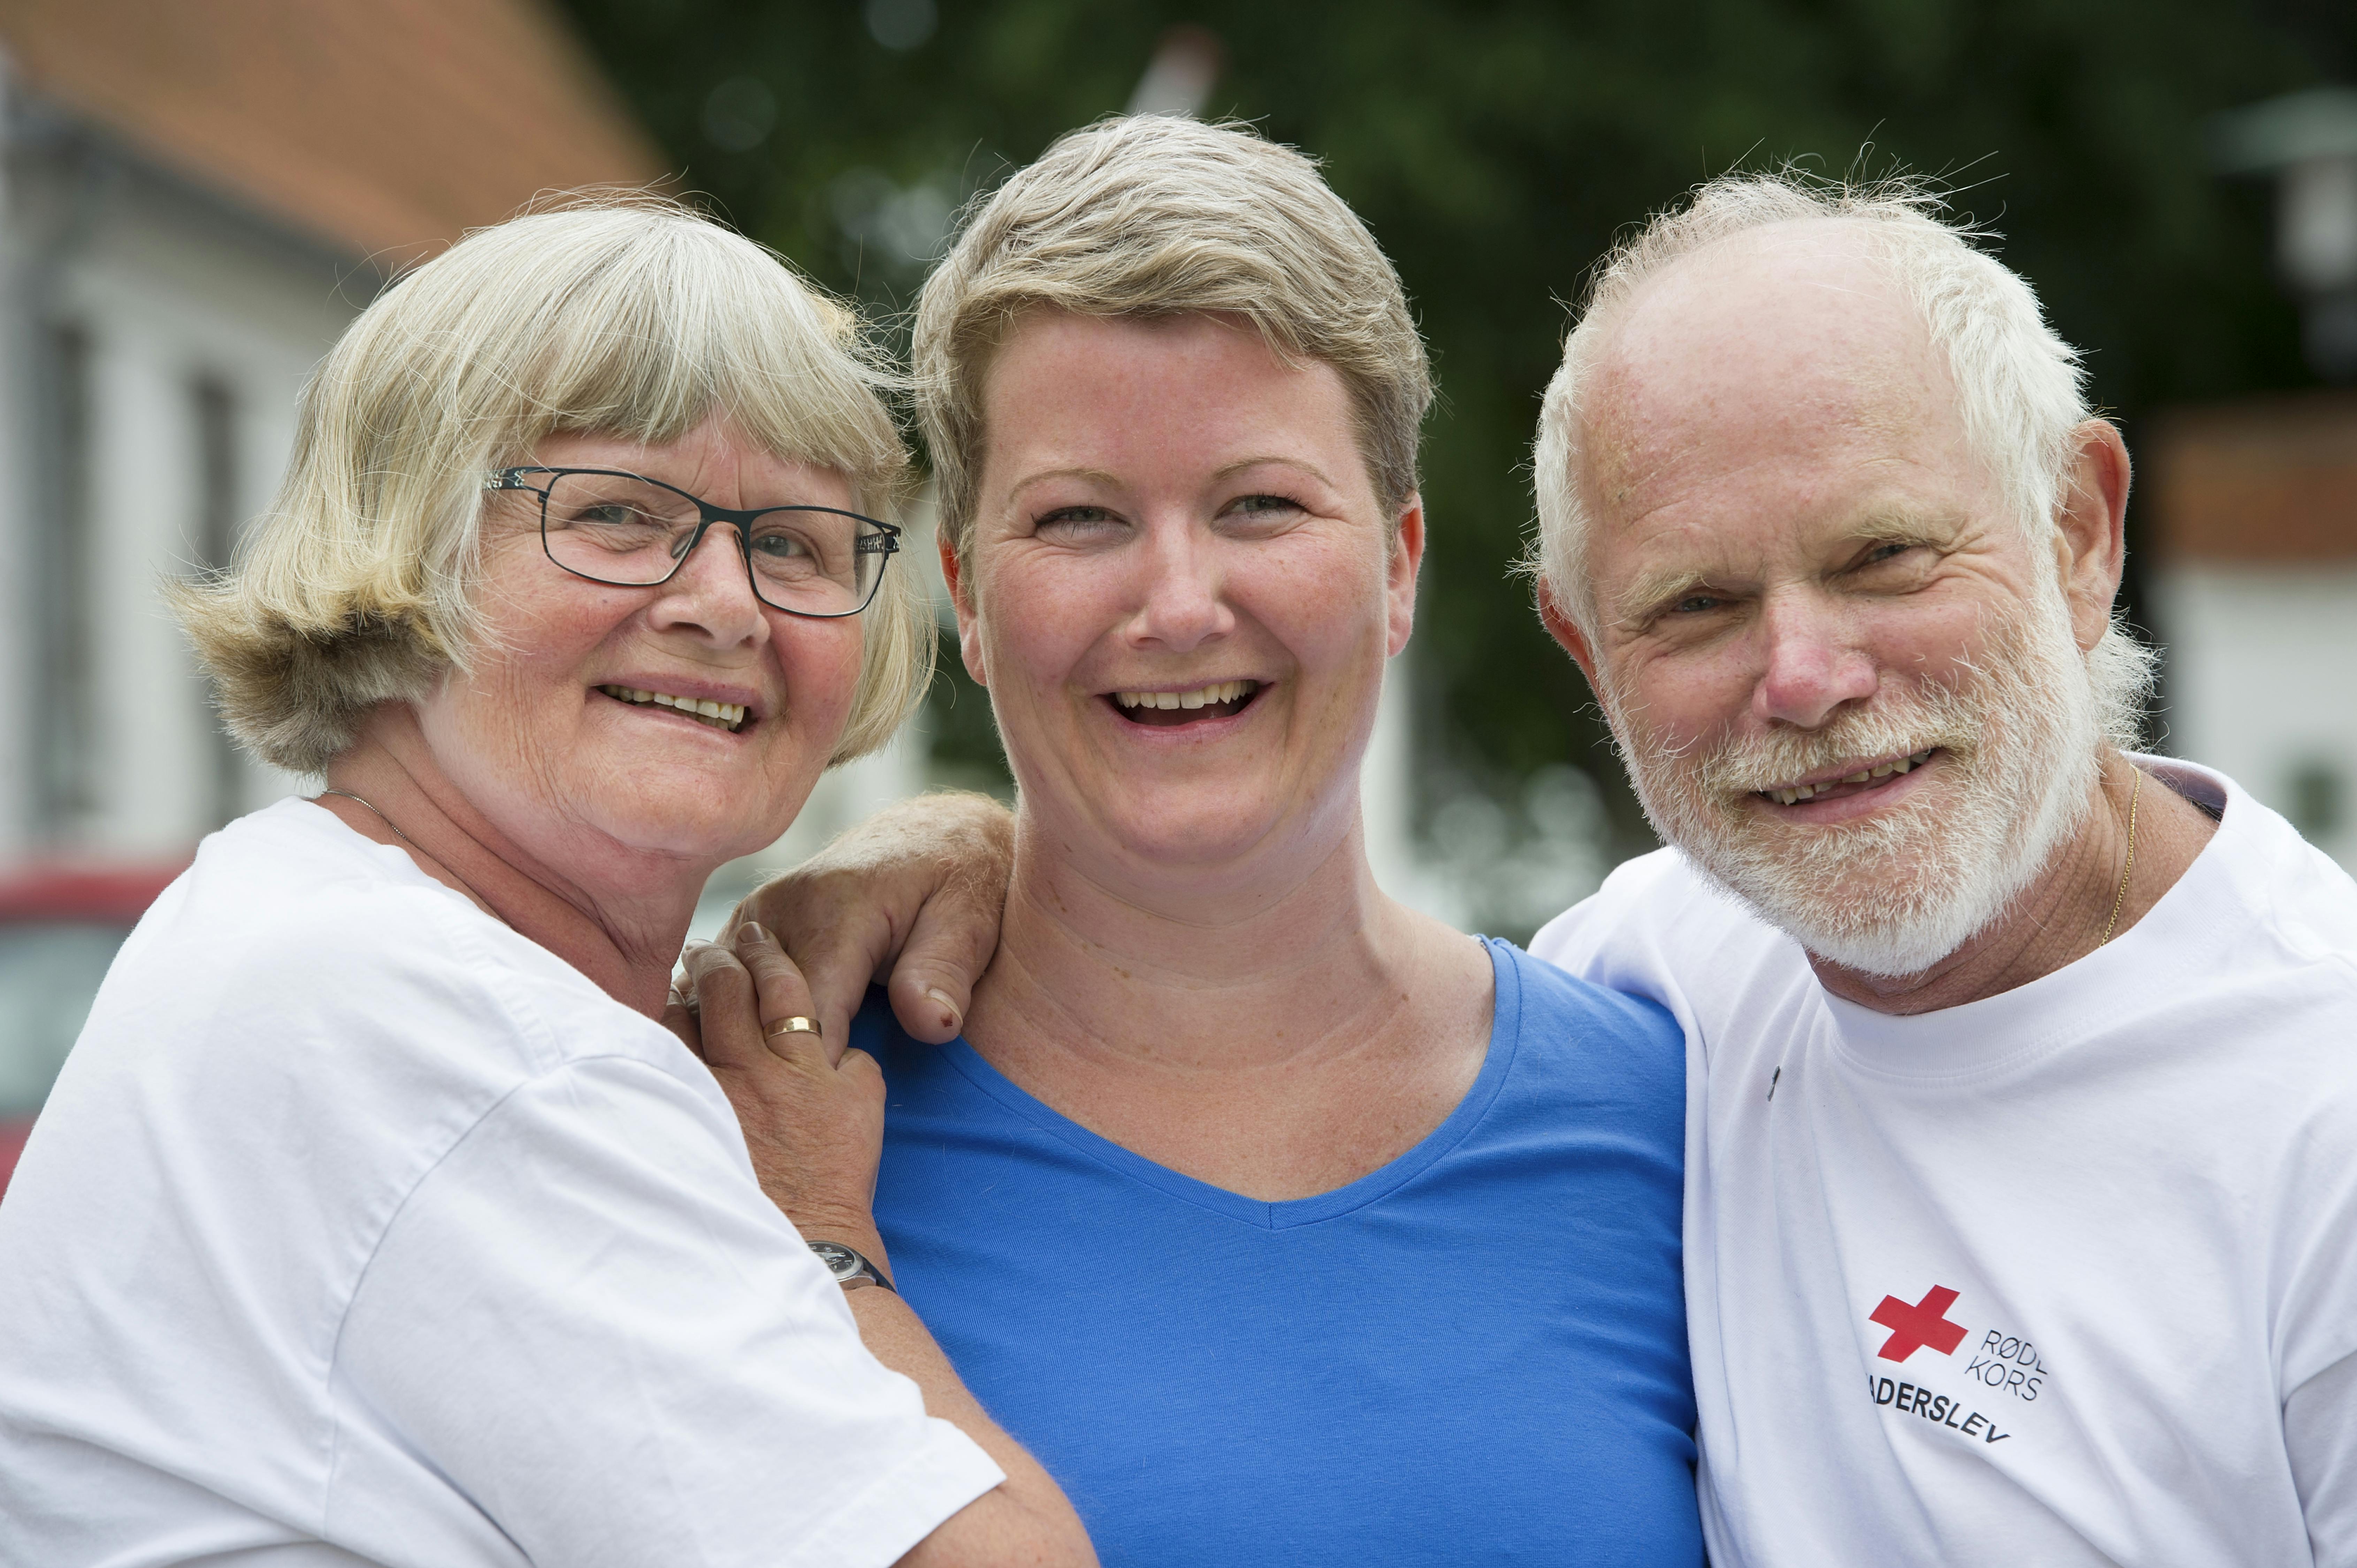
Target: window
217	488
64	786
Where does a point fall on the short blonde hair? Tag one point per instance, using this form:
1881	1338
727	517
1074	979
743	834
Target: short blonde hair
622	315
1158	216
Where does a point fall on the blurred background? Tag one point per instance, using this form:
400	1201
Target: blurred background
196	196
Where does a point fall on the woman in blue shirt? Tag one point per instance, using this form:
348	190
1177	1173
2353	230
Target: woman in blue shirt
1282	1222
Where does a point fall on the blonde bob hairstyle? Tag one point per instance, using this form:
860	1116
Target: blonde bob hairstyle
625	316
1156	216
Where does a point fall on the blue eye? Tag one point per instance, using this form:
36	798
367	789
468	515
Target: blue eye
780	544
610	514
1076	521
1263	508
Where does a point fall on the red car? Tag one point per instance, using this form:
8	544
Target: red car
60	927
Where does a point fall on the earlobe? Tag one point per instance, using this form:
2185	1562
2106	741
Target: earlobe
1405	561
2091	527
969	625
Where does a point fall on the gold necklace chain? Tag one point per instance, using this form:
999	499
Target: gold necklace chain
471	896
404	838
2118	898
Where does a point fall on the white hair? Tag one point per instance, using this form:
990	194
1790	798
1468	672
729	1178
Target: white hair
2020	387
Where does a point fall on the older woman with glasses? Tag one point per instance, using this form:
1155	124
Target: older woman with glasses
376	1216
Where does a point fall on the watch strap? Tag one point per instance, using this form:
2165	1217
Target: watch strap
851	1269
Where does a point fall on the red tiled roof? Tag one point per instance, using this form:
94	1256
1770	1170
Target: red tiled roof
2268	479
382	126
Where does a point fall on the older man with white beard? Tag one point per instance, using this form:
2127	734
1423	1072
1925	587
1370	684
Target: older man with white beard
2021	1214
2021	1185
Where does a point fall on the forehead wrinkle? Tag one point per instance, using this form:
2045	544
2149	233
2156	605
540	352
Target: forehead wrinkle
1891	395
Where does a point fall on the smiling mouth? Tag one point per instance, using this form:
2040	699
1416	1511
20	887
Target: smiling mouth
1857	783
730	717
1165	709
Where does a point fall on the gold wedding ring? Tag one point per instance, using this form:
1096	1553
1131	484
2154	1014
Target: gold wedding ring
792	1026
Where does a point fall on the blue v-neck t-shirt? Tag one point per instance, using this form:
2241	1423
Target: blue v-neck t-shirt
1475	1354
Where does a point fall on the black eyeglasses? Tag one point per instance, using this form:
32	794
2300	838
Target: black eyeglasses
627	530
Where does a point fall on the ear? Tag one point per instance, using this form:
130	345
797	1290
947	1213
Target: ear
2091	515
1565	631
1399	574
962	600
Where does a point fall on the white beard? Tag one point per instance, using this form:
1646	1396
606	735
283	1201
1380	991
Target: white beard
1894	894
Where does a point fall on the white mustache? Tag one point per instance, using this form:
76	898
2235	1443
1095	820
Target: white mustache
1901	723
1895	892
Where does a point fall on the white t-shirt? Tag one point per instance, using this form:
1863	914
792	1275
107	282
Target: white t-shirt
2066	1275
361	1230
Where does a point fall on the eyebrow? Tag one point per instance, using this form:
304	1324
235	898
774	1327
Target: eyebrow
1905	528
1656	587
1227	471
1096	475
1306	466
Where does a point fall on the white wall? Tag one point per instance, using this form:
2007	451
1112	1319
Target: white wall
168	295
2263	678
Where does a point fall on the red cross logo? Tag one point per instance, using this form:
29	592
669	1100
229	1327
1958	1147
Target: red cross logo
1913	1327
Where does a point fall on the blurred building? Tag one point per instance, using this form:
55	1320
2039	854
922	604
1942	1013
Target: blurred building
194	199
2255	578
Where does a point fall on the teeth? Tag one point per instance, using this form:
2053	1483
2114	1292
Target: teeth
1792	795
730	715
1202	696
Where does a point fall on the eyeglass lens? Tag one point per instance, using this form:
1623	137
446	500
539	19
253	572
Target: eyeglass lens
619	528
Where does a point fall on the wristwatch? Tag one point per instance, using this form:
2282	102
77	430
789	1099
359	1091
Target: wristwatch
850	1269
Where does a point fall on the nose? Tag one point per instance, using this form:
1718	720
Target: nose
711	595
1811	665
1182	606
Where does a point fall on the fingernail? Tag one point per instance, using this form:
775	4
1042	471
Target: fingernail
950	1019
751	931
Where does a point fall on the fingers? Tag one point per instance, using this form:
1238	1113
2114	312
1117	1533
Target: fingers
955	935
727	1012
956	930
850	910
781	994
838	931
680	1019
